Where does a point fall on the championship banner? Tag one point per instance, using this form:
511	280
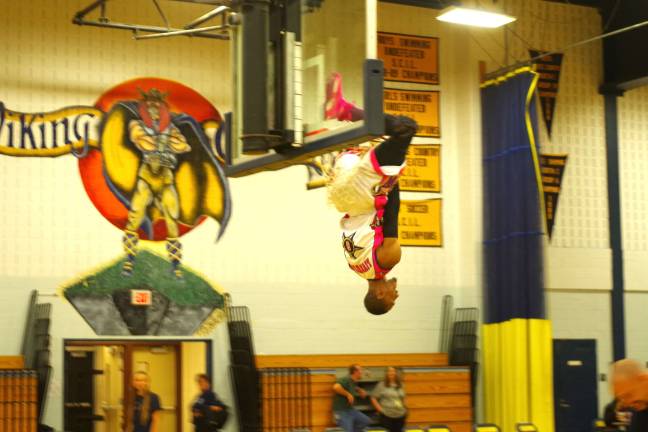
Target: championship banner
419	223
552	167
420	105
423	170
549	69
413	59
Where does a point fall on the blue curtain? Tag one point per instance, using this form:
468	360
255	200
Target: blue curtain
516	336
512	200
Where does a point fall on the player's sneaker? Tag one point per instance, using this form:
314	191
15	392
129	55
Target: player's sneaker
336	106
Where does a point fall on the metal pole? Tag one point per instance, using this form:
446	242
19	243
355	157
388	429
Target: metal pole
83	12
181	32
161	12
148	29
255	35
209	15
614	220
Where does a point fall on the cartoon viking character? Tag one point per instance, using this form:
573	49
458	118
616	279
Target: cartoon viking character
159	141
160	166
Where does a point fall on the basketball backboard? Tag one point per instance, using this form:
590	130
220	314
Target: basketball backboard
280	86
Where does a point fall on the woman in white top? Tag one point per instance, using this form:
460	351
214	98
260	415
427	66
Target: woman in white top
388	398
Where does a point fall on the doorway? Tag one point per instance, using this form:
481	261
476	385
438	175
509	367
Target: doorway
99	394
575	384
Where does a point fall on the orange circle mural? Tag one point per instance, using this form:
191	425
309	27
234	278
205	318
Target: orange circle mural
148	140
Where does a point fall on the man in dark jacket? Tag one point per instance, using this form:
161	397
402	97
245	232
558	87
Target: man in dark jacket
209	413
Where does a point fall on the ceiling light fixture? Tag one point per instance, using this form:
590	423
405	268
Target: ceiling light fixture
474	17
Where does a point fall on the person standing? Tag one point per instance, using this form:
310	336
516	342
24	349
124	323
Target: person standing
346	392
388	398
208	411
629	378
144	414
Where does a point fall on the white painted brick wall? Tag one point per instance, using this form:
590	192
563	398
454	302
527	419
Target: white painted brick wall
636	305
585	316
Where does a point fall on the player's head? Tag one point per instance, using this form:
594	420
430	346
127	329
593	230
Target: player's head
381	296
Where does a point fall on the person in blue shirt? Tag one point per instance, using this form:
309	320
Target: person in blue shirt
209	413
144	415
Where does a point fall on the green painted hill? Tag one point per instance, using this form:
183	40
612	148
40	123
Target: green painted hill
150	271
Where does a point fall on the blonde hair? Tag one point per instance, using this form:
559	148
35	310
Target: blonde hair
397	378
146	403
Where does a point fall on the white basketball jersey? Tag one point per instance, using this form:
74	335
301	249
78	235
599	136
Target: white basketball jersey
361	237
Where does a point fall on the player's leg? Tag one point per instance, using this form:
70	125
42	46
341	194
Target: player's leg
401	131
389	253
390	216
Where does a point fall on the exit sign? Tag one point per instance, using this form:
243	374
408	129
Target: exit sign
141	297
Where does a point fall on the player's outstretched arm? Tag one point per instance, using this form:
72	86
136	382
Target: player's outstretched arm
389	254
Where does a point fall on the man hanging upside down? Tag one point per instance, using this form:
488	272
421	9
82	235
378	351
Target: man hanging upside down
364	186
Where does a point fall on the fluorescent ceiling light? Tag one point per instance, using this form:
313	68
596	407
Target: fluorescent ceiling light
474	17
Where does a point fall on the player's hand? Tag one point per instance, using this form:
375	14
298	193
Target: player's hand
350	398
362	393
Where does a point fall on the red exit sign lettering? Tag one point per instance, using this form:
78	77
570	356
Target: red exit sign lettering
141	297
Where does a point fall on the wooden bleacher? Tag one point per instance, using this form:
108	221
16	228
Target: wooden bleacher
436	393
18	396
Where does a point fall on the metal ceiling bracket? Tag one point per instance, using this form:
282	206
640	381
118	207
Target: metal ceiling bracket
151	32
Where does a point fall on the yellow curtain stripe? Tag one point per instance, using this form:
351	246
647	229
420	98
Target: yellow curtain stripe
511	74
532	142
518	378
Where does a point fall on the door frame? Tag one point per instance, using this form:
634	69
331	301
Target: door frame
128	345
